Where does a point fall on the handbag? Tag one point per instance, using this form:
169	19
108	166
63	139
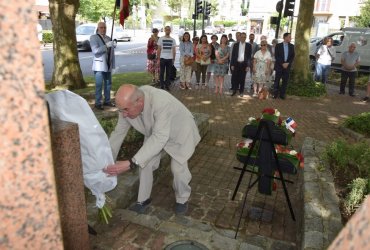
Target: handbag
206	62
152	56
188	60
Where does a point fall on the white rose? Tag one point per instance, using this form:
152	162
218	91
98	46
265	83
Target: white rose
293	152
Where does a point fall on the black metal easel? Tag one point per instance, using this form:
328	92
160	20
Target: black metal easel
267	135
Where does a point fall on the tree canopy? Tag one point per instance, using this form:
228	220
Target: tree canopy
363	20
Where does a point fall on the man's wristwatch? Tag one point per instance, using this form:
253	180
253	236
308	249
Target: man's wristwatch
133	164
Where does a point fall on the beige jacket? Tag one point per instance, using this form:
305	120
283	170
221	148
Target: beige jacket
166	124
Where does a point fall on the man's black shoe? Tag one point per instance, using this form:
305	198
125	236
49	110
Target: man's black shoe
365	99
109	104
167	88
234	93
274	96
99	107
282	97
352	95
140	207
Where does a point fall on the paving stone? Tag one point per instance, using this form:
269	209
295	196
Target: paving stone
221	242
313	240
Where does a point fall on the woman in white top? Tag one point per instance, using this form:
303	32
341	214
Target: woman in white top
324	56
261	68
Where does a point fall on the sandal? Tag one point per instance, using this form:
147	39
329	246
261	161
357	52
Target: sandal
182	86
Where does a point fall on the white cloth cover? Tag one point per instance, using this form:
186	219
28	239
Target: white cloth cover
96	152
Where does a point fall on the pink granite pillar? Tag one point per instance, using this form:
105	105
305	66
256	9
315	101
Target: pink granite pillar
70	186
29	216
356	233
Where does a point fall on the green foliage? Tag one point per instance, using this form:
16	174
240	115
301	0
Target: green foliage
359	123
349	159
359	189
95	10
304	86
363	20
225	23
108	124
47	36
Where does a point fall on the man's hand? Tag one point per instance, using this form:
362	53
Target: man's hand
285	65
109	44
118	168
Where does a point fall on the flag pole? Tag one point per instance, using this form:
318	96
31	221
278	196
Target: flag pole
114	17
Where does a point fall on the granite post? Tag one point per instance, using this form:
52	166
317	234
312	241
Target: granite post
29	214
69	183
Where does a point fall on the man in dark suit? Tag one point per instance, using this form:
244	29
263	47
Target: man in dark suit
284	55
240	63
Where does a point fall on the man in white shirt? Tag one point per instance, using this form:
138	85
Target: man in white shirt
166	55
240	63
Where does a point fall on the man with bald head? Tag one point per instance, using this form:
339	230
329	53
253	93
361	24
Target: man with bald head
167	125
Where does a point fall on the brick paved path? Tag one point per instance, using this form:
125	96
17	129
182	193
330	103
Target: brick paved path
214	178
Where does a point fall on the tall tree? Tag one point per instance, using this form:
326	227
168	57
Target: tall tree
67	71
363	20
95	10
301	81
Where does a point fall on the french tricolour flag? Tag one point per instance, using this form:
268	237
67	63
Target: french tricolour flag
124	11
290	124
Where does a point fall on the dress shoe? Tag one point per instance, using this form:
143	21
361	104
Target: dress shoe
341	93
140	207
109	104
352	95
365	99
234	93
181	209
100	107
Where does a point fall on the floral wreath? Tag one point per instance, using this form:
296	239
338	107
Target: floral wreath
283	152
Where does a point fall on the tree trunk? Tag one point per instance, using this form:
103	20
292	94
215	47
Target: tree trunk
302	36
67	71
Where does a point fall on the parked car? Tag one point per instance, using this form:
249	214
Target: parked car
83	33
210	30
220	29
119	34
235	28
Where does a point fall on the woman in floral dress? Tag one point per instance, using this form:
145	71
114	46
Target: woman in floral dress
152	63
261	68
222	64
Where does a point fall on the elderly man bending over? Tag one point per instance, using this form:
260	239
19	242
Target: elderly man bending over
166	124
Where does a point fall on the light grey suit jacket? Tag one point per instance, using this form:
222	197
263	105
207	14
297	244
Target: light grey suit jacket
100	52
166	124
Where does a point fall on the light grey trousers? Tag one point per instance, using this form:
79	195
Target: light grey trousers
181	179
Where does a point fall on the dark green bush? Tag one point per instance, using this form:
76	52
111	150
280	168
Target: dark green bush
350	159
300	86
47	36
359	123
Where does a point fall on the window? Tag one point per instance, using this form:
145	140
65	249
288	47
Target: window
322	6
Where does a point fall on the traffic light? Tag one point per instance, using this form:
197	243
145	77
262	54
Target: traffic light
198	7
289	8
207	10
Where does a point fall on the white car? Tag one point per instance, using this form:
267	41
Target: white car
210	30
119	34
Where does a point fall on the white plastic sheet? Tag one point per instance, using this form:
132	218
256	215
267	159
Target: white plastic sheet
96	152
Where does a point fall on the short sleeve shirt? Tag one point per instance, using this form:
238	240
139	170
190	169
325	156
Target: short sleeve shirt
351	59
166	44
